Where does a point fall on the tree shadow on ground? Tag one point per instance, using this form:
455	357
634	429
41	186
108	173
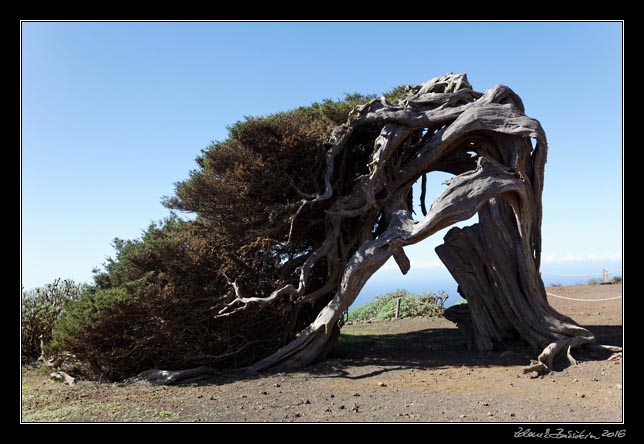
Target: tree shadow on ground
360	356
429	348
436	348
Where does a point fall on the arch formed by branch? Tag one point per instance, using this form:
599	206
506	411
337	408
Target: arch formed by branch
495	262
497	155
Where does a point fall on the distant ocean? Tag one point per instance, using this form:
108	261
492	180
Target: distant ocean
438	279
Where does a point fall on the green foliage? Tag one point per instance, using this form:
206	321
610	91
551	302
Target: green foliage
102	326
155	303
382	308
247	186
40	309
616	280
396	94
154	306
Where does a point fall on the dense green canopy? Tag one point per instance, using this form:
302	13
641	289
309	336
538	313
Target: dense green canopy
155	304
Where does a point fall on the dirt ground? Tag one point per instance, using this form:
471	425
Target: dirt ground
411	370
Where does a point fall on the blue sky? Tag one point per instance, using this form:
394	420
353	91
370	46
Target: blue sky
113	114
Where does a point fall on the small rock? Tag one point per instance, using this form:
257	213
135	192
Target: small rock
619	386
332	396
462	416
243	396
212	398
489	414
200	396
355	408
582	395
342	407
575	380
277	384
485	404
263	393
307	402
512	414
356	394
382	384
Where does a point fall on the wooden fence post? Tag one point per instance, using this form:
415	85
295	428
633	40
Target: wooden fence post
397	312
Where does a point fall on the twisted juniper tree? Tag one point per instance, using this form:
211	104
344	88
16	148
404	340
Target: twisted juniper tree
497	155
294	231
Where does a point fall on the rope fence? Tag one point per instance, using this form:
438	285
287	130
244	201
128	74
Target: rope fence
605	273
583	300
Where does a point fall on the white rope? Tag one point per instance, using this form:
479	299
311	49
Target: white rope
583	300
575	275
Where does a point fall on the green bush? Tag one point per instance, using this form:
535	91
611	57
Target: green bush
383	307
101	327
40	309
155	304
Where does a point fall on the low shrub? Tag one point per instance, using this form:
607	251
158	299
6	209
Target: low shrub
154	306
40	309
383	307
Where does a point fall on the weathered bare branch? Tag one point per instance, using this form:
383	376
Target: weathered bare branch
441	125
504	188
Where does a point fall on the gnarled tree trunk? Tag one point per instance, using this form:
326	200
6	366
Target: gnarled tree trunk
497	155
486	140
